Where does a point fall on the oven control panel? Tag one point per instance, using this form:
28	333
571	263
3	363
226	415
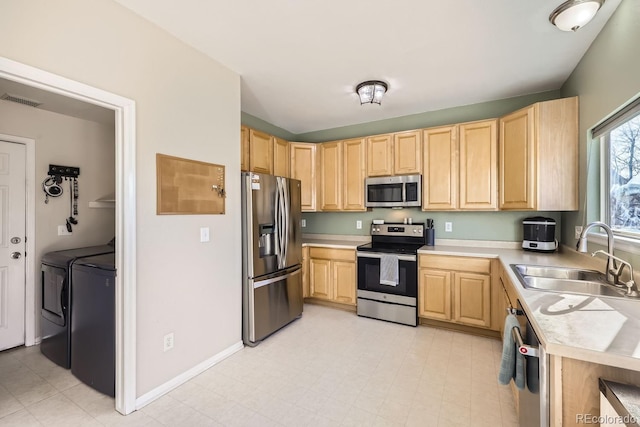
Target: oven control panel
406	230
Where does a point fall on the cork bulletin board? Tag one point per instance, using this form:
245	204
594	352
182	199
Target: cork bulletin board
189	187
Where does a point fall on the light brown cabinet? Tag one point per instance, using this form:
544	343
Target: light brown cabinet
380	155
407	152
305	272
539	157
440	160
260	152
342	174
330	191
332	274
460	167
394	154
478	165
244	149
353	174
455	289
281	157
303	167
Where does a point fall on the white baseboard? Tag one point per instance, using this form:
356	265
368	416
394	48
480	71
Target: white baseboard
165	388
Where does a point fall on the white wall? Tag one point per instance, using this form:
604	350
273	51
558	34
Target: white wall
187	106
63	140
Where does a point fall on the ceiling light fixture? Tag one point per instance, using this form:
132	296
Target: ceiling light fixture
371	91
574	14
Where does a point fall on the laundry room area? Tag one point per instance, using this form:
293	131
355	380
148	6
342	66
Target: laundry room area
70	206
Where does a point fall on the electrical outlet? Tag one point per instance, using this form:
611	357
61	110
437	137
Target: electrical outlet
62	231
448	227
359	225
304	222
204	234
578	231
168	342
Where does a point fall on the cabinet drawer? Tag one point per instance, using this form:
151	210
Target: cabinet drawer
333	254
447	262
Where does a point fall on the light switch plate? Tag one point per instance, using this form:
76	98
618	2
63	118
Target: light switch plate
204	234
304	222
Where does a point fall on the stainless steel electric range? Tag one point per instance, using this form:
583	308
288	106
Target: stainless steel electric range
388	273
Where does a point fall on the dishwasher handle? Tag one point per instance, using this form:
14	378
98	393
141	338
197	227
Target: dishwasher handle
523	348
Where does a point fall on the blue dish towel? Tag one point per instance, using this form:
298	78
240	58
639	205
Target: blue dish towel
512	363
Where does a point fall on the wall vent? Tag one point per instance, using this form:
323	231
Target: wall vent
20	100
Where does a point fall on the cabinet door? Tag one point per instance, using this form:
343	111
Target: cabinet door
303	167
244	149
320	283
434	294
281	157
260	152
353	174
380	155
479	165
517	155
440	160
344	282
305	272
407	149
472	299
331	176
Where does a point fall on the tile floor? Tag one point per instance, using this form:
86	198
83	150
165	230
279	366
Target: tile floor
329	368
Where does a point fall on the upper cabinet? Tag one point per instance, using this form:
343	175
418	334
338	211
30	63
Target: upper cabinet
354	172
407	149
539	157
460	167
260	152
440	160
342	173
303	167
380	155
244	149
330	160
281	157
394	154
478	165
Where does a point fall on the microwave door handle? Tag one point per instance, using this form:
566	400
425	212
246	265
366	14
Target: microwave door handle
404	192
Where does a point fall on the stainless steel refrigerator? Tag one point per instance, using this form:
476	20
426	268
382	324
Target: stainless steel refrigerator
271	255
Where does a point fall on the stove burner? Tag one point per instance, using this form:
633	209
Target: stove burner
390	248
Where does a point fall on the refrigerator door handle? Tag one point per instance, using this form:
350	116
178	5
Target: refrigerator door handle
266	282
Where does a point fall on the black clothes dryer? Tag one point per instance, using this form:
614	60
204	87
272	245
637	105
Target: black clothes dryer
93	338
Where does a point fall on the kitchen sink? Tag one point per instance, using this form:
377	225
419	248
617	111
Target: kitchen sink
567	280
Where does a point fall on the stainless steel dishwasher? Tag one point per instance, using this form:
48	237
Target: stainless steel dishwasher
534	398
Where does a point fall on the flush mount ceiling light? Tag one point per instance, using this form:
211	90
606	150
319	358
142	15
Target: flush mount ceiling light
370	92
573	14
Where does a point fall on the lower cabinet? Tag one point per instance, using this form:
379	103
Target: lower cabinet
455	289
332	274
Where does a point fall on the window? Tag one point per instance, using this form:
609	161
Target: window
620	136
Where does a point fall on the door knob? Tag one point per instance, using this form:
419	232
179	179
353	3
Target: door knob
16	255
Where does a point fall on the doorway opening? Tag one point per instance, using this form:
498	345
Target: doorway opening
125	217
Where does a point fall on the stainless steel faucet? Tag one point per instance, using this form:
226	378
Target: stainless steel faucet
611	271
632	290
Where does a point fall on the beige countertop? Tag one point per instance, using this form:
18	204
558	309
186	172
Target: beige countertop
596	329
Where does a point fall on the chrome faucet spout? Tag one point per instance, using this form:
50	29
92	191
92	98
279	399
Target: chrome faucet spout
612	268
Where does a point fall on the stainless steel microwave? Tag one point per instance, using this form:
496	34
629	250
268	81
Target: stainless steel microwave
393	191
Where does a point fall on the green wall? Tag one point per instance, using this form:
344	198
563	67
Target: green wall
607	77
261	125
504	226
465	113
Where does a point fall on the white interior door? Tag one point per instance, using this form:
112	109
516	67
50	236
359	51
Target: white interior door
12	243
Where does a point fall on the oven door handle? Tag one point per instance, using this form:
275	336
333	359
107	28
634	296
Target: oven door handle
379	256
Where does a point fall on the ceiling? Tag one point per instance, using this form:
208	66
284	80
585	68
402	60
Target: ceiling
300	61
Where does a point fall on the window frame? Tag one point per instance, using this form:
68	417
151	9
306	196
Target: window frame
602	134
